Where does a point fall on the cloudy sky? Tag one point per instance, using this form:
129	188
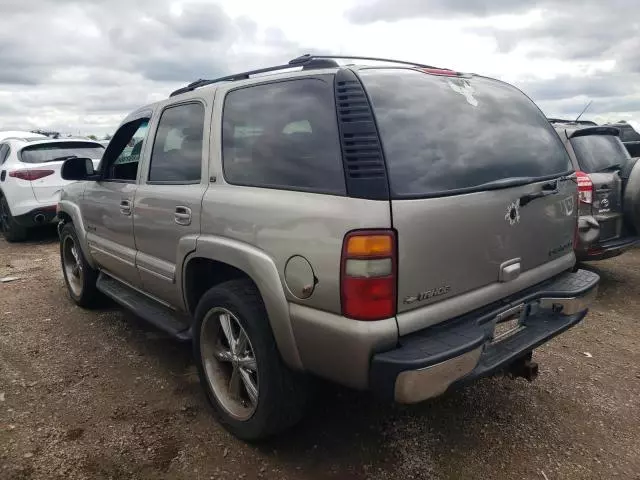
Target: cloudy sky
80	66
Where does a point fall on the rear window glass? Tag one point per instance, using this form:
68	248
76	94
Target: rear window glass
52	152
283	135
444	134
599	152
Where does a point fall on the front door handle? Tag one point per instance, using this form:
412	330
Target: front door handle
182	215
125	207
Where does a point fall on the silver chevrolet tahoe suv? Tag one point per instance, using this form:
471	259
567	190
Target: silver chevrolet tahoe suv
388	226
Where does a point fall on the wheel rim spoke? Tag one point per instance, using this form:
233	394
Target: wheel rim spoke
250	386
76	257
72	265
222	354
234	383
248	363
225	322
241	343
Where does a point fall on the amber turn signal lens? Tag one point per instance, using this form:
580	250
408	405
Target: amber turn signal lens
370	245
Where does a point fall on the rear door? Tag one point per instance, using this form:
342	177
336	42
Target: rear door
480	198
600	154
47	158
169	199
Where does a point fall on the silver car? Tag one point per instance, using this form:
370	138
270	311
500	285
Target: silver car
392	227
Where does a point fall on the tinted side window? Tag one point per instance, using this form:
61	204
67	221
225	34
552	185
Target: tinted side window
283	135
177	149
125	149
628	134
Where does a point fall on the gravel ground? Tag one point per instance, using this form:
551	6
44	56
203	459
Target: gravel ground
99	394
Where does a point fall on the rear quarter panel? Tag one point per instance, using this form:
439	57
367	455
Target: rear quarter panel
287	223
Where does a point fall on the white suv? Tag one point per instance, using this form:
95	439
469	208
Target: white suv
30	180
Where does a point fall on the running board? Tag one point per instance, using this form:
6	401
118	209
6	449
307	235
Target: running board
153	312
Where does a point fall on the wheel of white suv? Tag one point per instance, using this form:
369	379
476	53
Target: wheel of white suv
253	394
10	229
79	277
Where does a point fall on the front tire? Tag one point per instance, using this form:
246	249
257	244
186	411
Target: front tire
253	393
79	277
11	230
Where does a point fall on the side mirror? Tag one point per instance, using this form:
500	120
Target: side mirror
78	169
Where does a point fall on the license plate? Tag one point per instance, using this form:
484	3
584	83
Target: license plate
508	323
505	329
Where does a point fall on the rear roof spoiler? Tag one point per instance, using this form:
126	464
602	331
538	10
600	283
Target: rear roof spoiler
575	122
584	132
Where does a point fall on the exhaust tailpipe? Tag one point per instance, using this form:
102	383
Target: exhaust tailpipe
39	219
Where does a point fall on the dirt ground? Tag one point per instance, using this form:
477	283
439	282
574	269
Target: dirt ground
99	394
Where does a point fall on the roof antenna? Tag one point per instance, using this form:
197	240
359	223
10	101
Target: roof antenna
582	113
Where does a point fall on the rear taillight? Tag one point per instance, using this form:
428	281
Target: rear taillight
585	188
30	174
368	275
576	229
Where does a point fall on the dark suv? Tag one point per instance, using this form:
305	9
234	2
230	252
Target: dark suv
630	138
607	223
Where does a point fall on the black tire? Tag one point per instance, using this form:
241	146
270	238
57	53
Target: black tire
11	230
282	393
88	295
630	175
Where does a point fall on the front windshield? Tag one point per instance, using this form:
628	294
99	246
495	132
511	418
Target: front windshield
599	152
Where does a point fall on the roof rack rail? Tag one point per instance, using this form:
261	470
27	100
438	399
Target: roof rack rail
308	65
307	62
309	57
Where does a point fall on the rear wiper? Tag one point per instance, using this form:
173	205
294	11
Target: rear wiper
549	188
505	183
61	159
615	166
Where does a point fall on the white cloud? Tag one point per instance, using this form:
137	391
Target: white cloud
80	66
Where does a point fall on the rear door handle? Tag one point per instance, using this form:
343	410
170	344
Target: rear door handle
125	207
182	215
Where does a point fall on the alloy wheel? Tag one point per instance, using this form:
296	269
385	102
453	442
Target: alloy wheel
229	363
72	265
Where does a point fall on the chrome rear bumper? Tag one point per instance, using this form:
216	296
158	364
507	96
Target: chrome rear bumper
429	362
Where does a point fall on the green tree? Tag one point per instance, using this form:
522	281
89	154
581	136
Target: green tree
92	137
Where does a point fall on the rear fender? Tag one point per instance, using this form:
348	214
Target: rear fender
263	271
